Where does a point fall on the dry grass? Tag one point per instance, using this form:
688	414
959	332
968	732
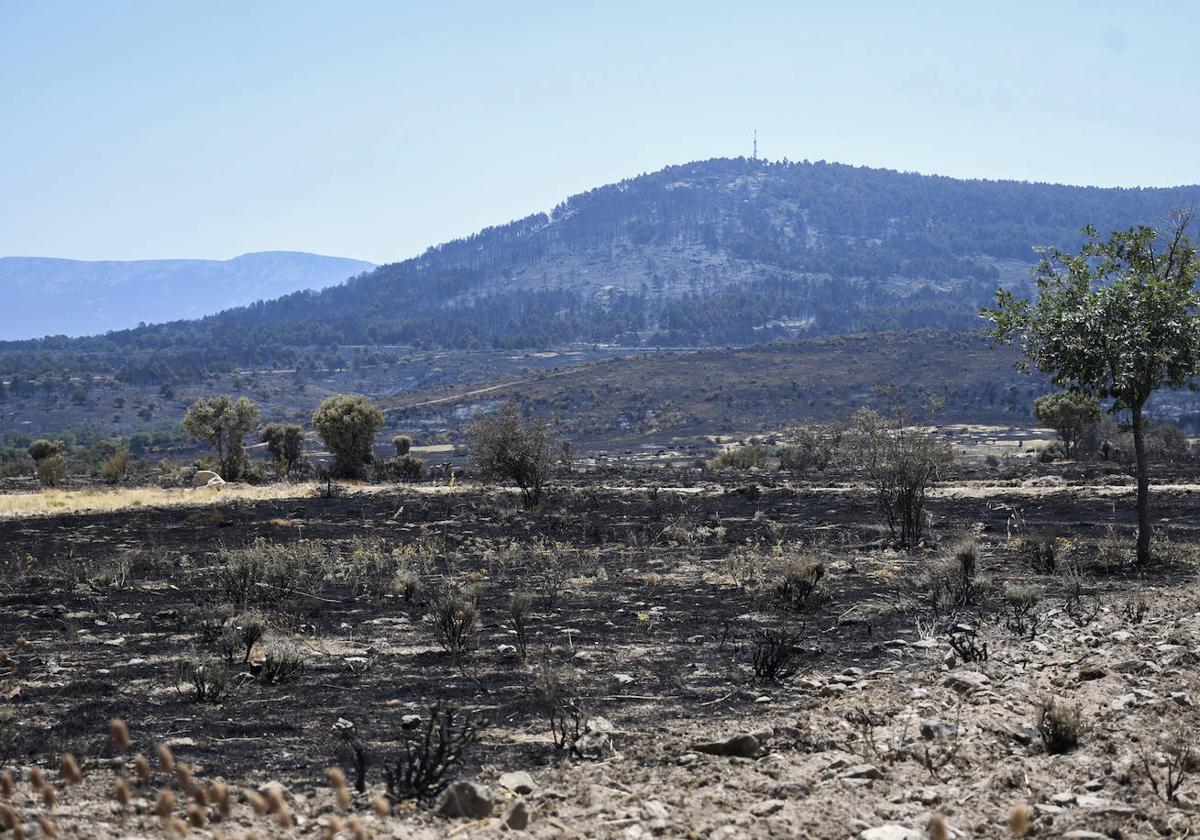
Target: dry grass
99	500
49	502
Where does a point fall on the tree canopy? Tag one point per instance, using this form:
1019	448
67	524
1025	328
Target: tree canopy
224	424
1117	321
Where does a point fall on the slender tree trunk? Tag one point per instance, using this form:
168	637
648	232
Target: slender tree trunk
1143	488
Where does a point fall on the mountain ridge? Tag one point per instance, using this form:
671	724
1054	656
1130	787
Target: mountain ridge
60	296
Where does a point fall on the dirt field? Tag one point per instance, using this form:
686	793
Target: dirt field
651	600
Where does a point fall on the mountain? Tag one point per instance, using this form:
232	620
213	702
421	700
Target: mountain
719	252
46	296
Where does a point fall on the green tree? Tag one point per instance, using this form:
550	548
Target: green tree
224	424
1069	414
505	447
285	442
1117	321
347	425
41	449
403	444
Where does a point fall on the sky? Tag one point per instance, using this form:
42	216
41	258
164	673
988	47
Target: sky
139	130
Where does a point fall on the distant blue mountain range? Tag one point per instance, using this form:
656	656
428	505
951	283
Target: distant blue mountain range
44	296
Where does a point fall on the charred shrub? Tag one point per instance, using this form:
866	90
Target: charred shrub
1059	724
207	678
1041	553
1021	614
774	655
268	575
455	619
795	580
560	703
430	755
283	661
518	610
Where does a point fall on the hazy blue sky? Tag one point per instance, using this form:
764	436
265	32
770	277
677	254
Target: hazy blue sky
373	129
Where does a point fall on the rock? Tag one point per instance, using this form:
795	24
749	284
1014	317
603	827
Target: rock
966	681
1083	834
517	816
740	746
623	679
1182	698
891	832
1023	735
932	729
766	807
1118	704
1101	805
764	734
655	810
204	478
282	789
1131	666
862	771
518	781
789	733
791	790
410	722
465	799
1092	672
596	739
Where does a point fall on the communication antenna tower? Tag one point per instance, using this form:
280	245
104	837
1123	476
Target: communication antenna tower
755	144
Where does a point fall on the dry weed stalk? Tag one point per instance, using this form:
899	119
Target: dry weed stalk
69	768
118	734
166	761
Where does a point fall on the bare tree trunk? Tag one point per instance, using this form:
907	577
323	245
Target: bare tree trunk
1143	488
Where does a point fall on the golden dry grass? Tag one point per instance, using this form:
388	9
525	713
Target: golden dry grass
97	500
101	500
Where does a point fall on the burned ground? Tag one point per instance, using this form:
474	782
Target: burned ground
651	595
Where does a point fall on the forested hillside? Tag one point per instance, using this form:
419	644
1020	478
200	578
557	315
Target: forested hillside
726	251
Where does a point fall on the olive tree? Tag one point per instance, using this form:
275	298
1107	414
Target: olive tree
49	465
285	442
1070	414
506	447
1117	321
347	426
224	424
